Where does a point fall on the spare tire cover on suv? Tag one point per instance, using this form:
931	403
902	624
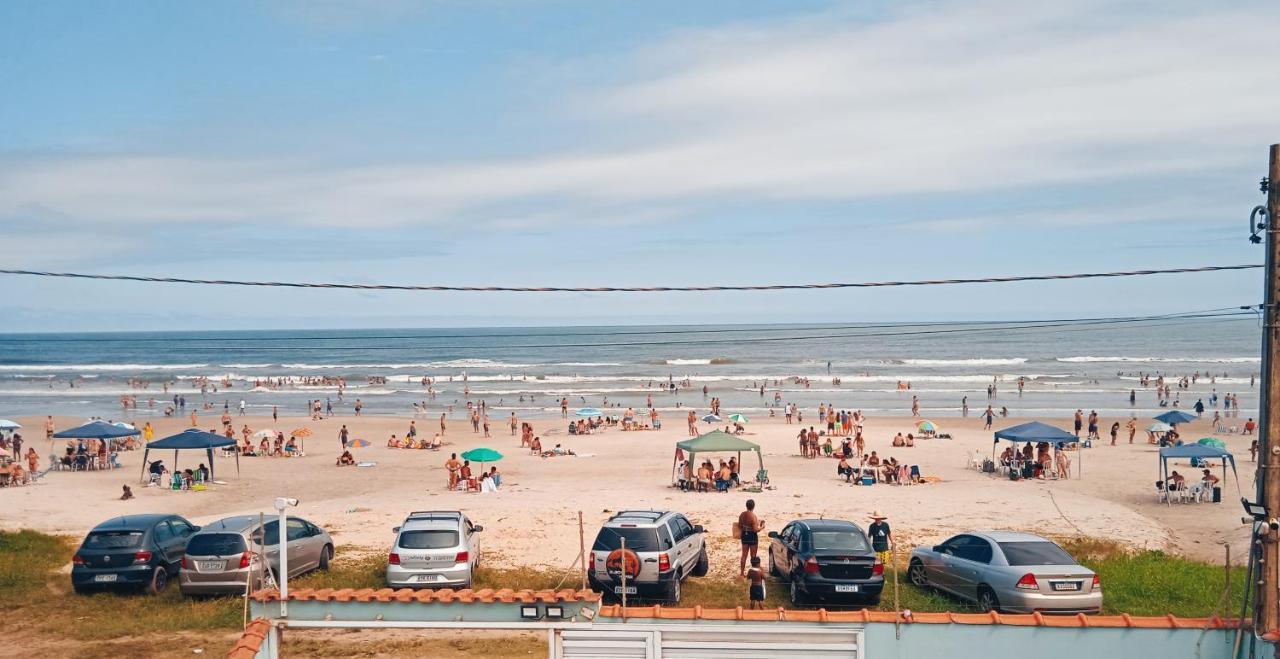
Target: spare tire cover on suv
620	559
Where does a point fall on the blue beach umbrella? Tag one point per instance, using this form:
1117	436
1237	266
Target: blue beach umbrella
589	411
1174	417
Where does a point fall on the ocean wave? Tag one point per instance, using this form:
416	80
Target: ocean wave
63	368
1163	360
695	362
1010	361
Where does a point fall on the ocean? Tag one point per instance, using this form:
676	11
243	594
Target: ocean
528	370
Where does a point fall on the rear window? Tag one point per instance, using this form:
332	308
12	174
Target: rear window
216	544
113	540
850	541
610	539
1035	553
429	539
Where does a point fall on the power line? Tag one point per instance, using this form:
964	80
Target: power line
652	332
628	289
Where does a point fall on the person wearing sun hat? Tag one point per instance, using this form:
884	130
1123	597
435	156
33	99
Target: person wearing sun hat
881	536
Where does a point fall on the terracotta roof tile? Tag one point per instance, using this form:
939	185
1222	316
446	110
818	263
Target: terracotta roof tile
250	641
866	616
443	595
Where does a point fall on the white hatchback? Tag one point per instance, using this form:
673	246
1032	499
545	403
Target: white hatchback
434	549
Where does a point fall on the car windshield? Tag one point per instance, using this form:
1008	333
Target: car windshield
1035	553
610	539
113	540
850	541
216	544
429	539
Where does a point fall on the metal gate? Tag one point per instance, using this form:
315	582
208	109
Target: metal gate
700	640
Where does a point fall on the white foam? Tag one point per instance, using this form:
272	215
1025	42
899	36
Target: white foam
63	368
1164	360
1010	361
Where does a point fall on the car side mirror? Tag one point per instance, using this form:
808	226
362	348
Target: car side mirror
194	529
477	528
773	534
697	528
395	529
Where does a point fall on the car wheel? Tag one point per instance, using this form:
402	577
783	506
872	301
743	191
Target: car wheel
326	555
466	585
159	581
773	568
797	596
672	594
703	565
987	600
915	573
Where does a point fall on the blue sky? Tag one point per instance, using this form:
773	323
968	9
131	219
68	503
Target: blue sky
622	143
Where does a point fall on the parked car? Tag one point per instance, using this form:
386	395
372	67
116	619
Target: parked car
434	549
1006	571
662	549
131	552
225	554
826	559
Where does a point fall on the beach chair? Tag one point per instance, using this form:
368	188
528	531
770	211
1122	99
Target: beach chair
914	476
975	460
762	477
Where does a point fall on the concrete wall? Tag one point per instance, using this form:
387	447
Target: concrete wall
1005	641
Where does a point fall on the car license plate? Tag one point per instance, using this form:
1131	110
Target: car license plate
104	577
211	566
1065	585
630	590
842	588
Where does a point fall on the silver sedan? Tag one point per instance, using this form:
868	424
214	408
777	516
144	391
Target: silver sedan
1007	571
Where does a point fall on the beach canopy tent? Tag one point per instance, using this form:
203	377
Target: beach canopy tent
8	425
1035	432
716	441
96	430
1200	452
190	439
1174	417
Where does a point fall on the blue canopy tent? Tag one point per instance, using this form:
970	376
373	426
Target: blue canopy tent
96	430
1174	417
1201	452
1034	431
190	439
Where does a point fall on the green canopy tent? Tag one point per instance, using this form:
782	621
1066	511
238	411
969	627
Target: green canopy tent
716	441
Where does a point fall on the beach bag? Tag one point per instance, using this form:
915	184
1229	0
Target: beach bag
737	530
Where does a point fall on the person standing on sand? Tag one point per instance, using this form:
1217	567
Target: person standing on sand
194	418
514	424
1132	425
1115	430
749	527
342	436
48	428
1079	422
454	468
989	417
693	424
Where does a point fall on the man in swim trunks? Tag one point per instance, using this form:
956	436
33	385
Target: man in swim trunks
749	527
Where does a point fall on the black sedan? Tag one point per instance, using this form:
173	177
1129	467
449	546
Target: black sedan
826	559
131	552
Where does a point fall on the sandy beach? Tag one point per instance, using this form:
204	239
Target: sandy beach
533	519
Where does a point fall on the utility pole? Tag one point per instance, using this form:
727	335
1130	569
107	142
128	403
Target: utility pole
1269	409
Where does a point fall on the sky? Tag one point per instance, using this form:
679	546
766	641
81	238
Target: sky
600	143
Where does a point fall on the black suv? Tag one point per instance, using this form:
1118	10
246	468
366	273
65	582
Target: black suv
131	552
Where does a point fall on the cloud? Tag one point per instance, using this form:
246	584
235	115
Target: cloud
934	99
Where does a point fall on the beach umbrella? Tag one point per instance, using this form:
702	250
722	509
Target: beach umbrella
1159	427
739	418
1212	441
927	426
1174	417
589	411
301	433
6	424
268	433
482	455
358	443
711	418
126	426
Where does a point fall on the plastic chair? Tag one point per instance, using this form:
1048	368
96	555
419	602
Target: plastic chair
762	476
